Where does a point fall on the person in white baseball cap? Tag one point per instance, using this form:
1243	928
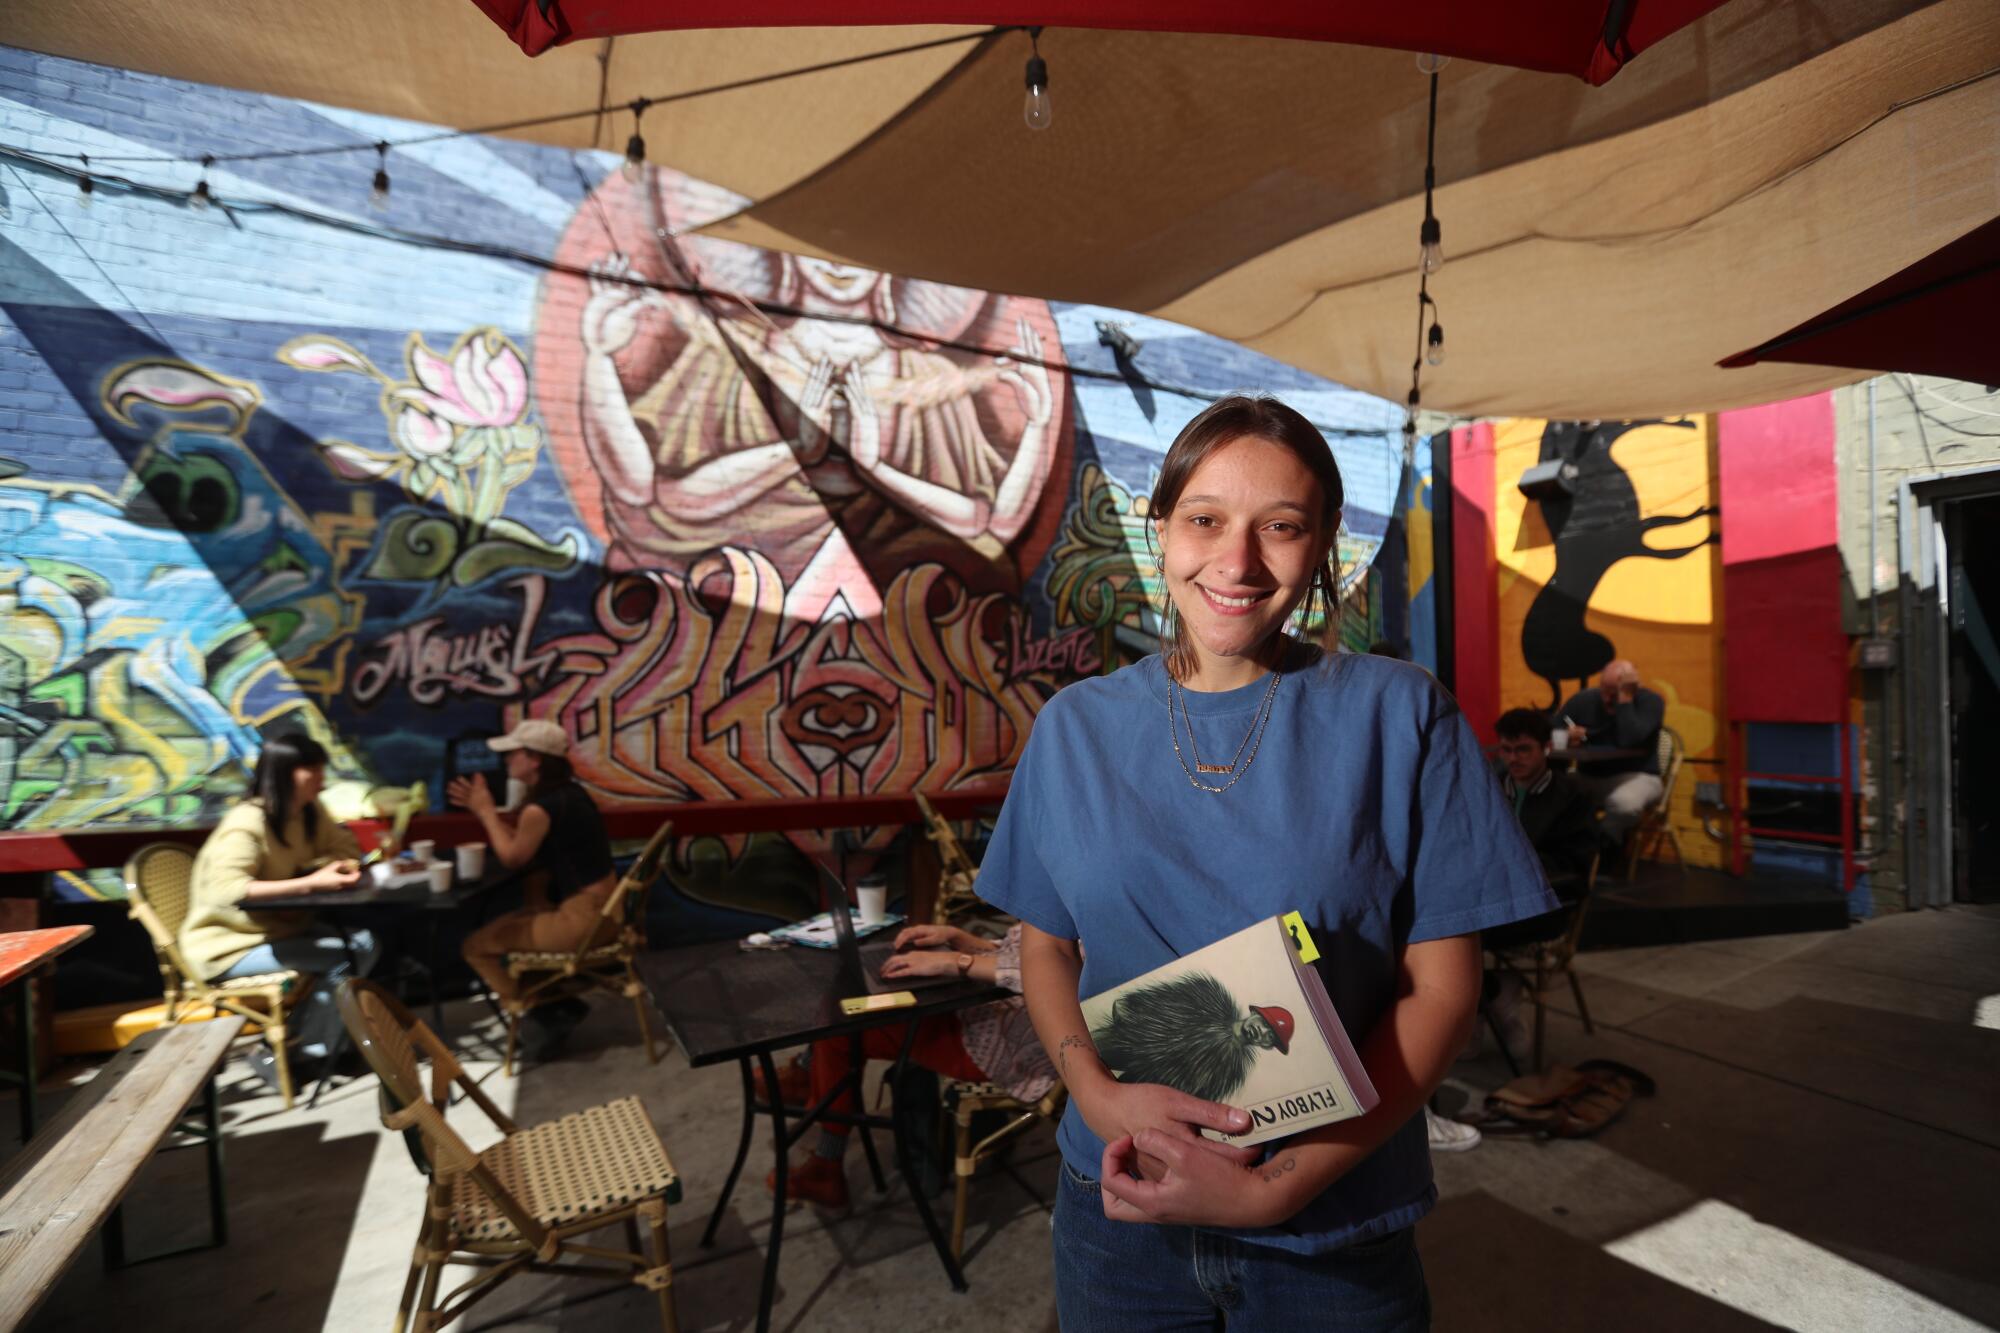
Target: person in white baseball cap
561	834
537	735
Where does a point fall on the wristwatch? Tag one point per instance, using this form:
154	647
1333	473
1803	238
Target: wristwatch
964	963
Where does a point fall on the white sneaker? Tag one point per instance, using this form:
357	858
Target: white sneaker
1449	1135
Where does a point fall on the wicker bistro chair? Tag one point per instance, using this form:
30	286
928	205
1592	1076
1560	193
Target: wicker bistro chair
962	1102
525	1204
157	886
958	870
1656	826
606	965
1538	965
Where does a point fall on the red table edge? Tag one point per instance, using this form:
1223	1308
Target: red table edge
64	938
44	850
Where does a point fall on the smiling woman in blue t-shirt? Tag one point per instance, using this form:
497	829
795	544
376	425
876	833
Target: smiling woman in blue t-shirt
1239	775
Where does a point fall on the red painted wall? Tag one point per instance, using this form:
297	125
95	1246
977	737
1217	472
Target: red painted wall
1781	570
1475	576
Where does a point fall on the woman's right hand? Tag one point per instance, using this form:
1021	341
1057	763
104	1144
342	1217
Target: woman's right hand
335	875
1115	1110
470	794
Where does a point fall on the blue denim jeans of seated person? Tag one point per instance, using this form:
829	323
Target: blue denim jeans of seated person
1121	1277
326	957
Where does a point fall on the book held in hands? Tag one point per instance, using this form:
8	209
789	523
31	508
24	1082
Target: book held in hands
1246	1022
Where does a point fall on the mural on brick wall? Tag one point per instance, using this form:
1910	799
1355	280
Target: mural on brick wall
746	524
1625	566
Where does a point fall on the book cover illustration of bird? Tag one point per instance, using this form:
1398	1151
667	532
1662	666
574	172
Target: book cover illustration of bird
1244	1022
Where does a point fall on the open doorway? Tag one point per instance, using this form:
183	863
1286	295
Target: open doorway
1973	681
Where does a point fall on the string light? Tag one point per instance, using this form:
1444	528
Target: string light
378	190
1430	342
201	198
85	186
635	147
1035	109
1434	340
584	113
1430	252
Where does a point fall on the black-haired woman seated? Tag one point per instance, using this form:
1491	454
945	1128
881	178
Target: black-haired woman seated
280	842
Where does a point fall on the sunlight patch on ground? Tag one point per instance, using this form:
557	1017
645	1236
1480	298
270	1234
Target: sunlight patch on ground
1729	1256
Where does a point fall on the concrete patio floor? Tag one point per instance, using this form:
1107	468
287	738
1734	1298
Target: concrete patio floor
1823	1154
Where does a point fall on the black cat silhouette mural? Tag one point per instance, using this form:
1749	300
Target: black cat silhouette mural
1594	527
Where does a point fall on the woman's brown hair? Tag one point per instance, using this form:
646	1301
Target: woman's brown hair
1221	423
551	771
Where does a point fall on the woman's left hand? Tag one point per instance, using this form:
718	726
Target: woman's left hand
1200	1187
926	964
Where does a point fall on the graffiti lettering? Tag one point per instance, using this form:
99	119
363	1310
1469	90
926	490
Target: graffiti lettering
1073	650
496	661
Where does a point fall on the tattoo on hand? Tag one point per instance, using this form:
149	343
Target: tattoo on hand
1062	1052
1276	1170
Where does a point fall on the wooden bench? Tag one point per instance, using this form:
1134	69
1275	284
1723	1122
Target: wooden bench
73	1175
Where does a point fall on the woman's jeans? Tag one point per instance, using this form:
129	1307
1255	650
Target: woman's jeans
316	1020
1112	1277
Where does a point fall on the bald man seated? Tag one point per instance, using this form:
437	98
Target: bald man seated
1618	713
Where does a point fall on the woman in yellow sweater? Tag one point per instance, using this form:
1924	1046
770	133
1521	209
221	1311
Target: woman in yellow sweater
278	843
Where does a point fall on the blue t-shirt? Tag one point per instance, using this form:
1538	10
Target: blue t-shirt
1368	808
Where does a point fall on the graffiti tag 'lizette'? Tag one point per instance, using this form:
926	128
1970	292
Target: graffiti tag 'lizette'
496	660
1072	651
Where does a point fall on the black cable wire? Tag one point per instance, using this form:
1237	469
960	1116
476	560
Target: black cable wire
490	250
733	85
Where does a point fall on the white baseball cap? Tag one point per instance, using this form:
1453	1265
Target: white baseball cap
543	737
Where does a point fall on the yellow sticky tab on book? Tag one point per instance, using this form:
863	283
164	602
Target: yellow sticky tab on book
1302	939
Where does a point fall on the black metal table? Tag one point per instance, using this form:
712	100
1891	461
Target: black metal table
723	1003
342	907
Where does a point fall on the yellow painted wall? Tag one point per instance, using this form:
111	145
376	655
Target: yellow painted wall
1663	614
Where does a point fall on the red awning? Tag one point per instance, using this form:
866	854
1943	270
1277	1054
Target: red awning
1932	318
1591	39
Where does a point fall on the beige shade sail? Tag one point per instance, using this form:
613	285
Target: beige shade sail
1605	246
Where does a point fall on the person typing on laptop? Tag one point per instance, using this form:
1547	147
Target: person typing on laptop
993	1043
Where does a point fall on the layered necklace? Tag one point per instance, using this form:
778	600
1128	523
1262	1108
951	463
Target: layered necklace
1253	739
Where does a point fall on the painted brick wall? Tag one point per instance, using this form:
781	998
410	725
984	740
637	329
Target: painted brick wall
268	471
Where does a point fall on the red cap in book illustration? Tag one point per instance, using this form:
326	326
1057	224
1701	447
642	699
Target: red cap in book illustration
1281	1023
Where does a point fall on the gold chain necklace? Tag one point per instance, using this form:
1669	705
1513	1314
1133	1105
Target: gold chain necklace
1256	731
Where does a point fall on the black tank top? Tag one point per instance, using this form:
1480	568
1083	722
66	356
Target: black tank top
576	852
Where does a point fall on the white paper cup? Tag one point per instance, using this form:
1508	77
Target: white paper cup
380	872
440	876
874	902
1559	739
517	794
471	860
424	850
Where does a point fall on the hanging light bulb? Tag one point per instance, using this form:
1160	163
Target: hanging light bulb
635	147
85	186
1434	349
378	191
1431	253
1035	110
1430	62
201	198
